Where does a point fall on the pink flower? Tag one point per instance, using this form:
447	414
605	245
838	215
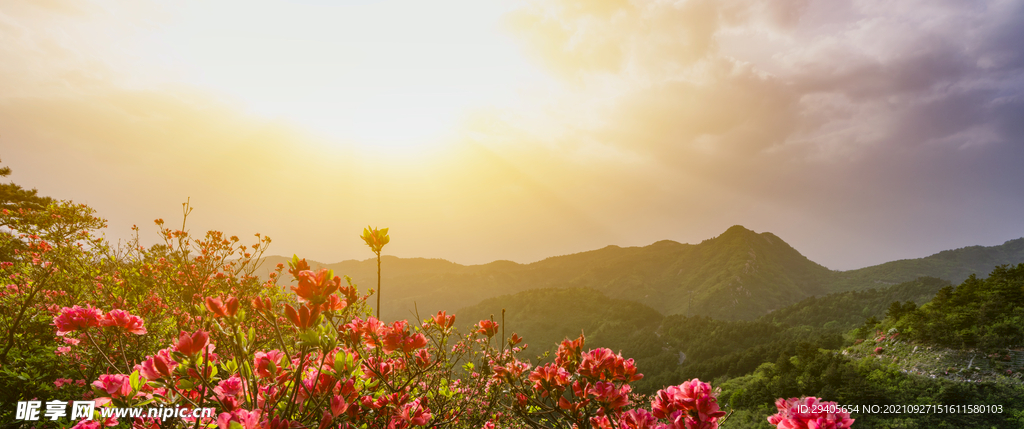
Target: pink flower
192	344
75	318
230	387
116	385
509	371
415	414
568	354
62	350
422	358
247	419
216	306
398	338
637	419
487	327
338	405
266	363
809	413
123	320
549	379
315	287
443	321
303	318
87	424
158	366
693	401
369	331
603	364
609	396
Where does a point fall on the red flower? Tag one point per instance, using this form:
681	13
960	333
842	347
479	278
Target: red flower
609	396
415	414
693	400
568	354
124	320
266	363
809	413
443	320
247	419
220	308
315	287
549	380
487	327
189	345
512	370
303	318
422	358
116	385
338	405
637	419
216	307
158	366
75	318
514	339
233	386
398	338
602	364
334	303
262	305
370	331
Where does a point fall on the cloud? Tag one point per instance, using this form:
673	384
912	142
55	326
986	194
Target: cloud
867	107
892	129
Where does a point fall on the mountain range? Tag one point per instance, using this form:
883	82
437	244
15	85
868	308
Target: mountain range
738	275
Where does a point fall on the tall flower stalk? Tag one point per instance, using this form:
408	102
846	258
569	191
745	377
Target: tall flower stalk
376	239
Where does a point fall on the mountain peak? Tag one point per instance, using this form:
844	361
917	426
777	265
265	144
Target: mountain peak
737	230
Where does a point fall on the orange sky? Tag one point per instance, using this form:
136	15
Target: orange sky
859	132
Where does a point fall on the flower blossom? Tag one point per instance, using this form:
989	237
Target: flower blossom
125	321
415	414
549	380
692	403
603	364
303	318
158	366
398	338
487	327
568	354
222	308
809	413
192	344
443	320
316	287
247	419
638	419
266	363
76	318
233	386
116	385
609	396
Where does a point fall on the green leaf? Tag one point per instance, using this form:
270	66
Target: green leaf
135	381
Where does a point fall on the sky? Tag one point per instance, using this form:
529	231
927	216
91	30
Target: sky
859	131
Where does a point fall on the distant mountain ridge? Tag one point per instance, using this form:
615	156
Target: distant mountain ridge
738	275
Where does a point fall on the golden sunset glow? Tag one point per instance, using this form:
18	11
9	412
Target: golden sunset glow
485	130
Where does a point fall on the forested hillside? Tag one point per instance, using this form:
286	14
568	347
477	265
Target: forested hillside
739	275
